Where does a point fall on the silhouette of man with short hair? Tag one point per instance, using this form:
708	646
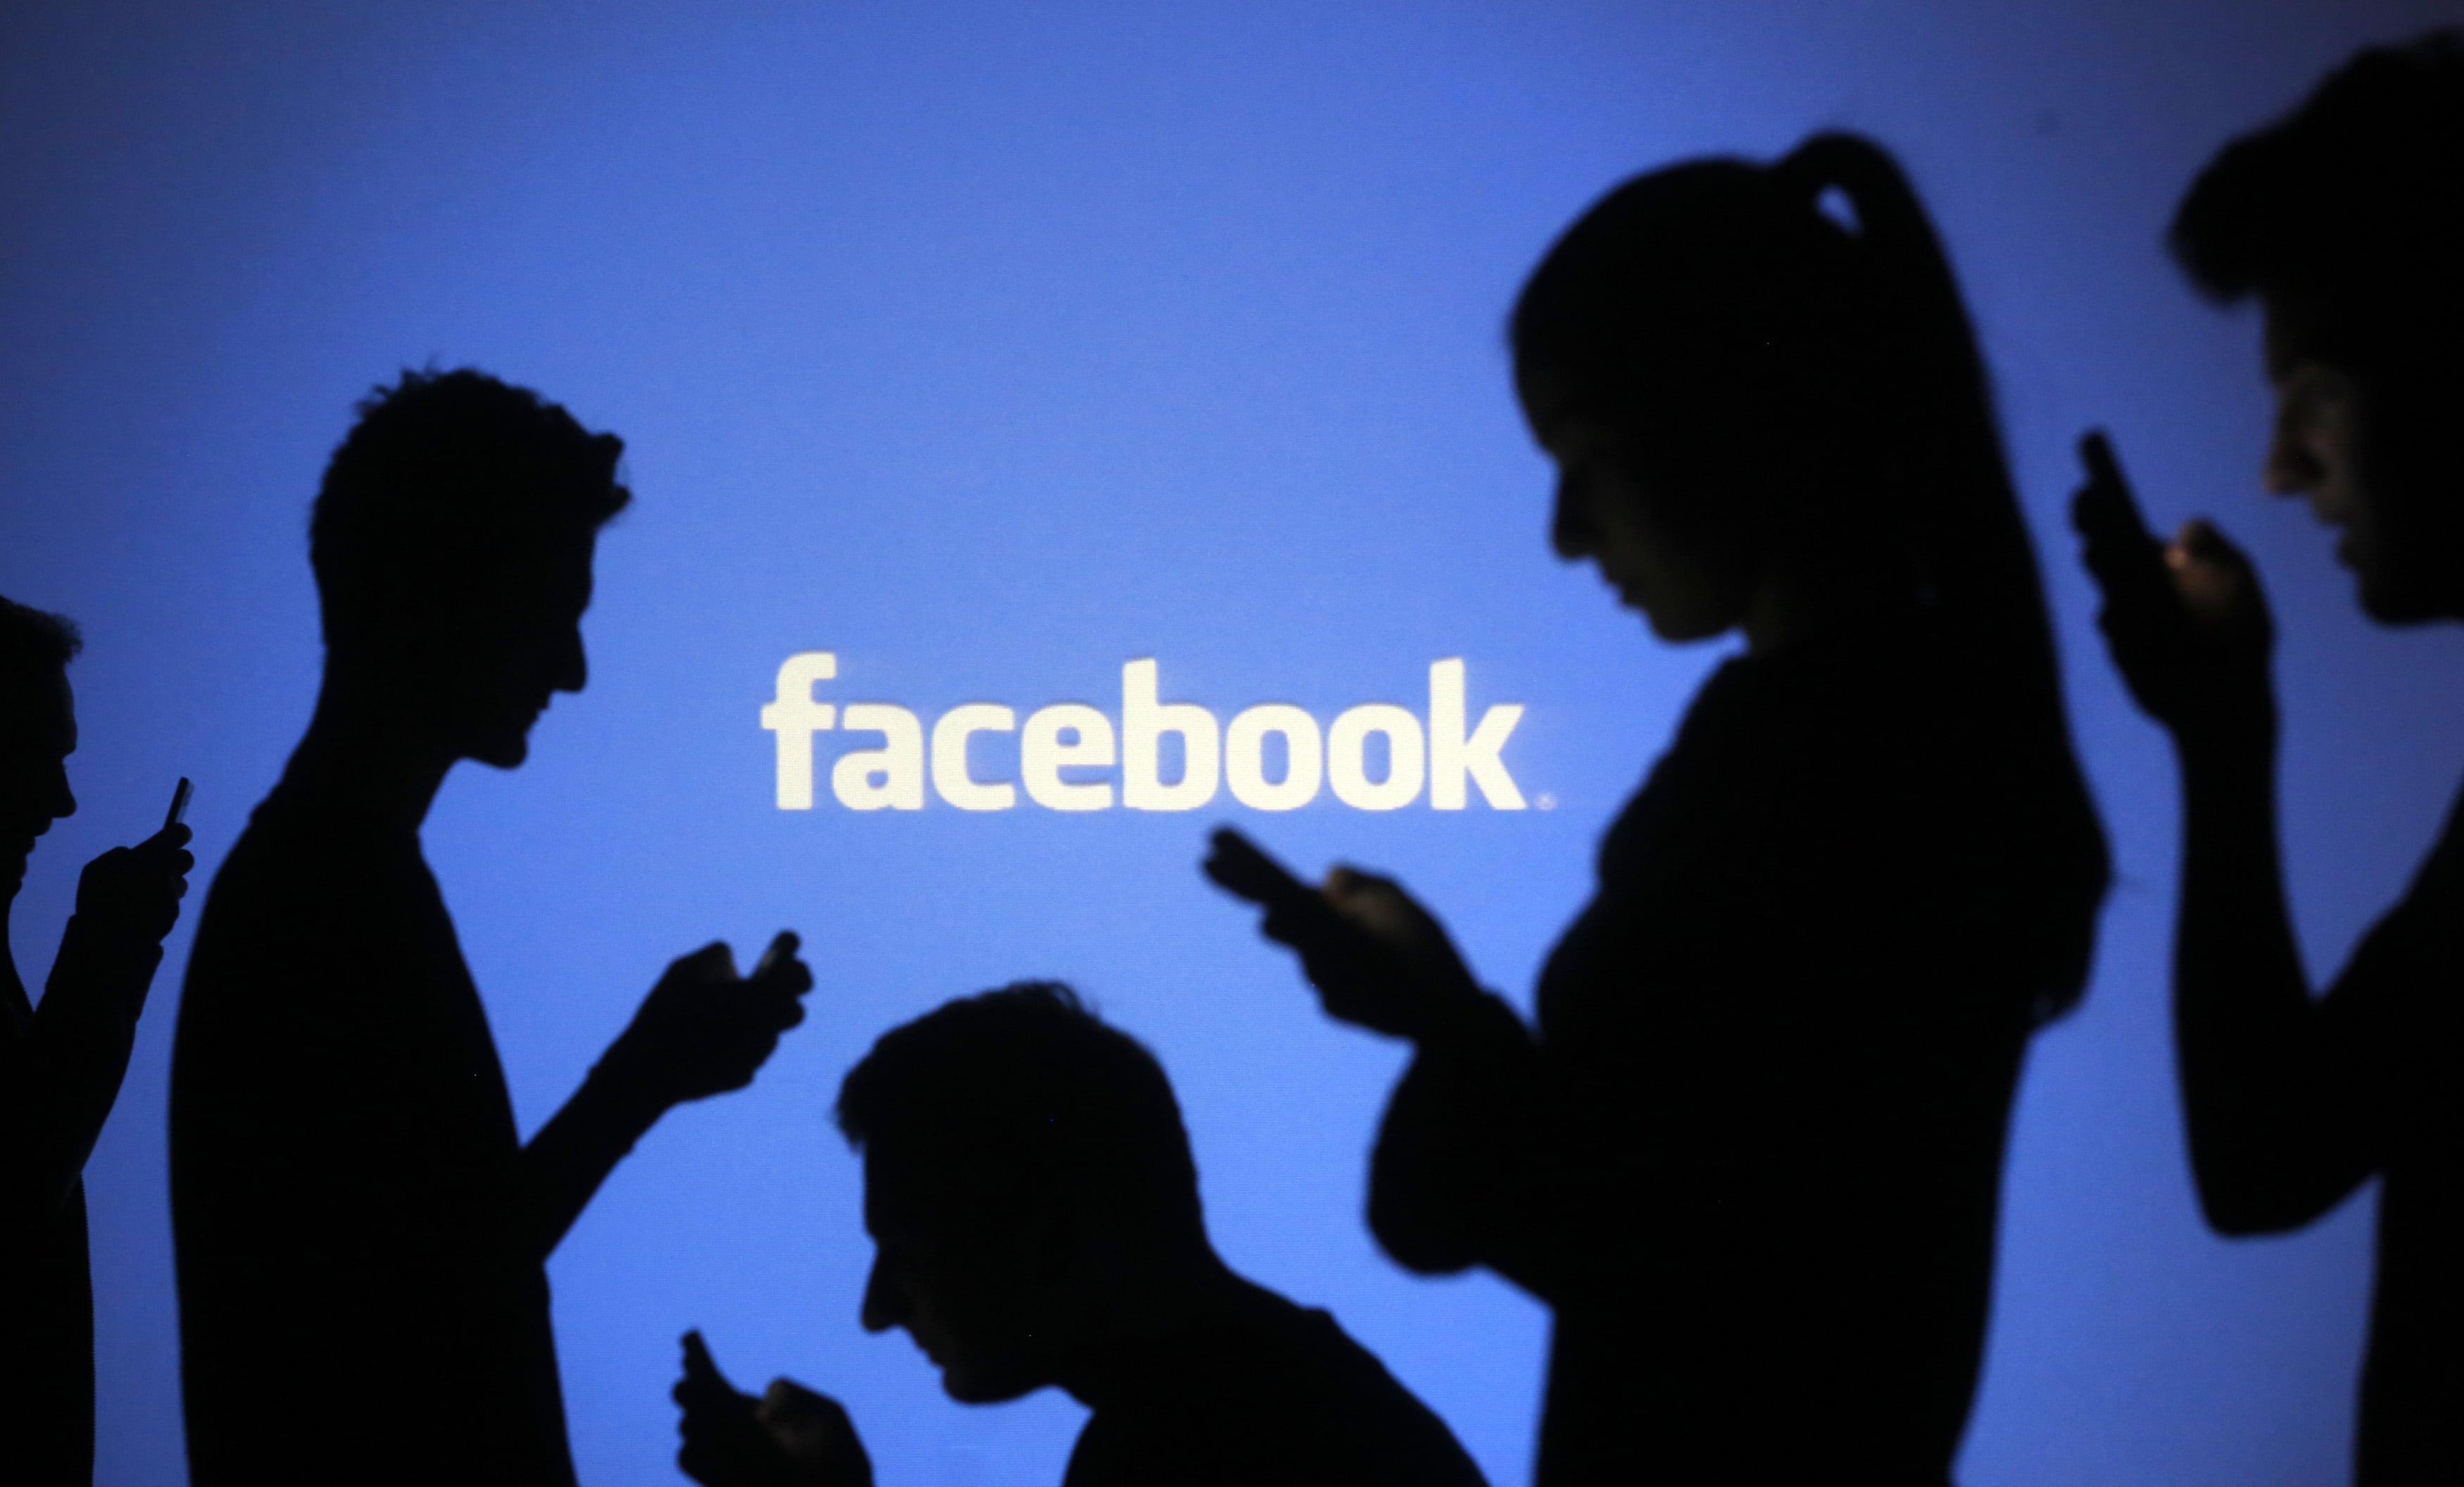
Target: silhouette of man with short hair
61	1063
2346	221
1036	1221
362	1234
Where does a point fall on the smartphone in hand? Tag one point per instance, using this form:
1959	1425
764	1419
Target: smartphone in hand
781	945
179	794
2105	509
1243	869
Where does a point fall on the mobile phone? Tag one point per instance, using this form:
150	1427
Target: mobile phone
2114	498
179	803
781	945
1245	869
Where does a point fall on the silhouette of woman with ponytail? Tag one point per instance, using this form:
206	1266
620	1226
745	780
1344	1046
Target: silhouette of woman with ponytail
1751	1153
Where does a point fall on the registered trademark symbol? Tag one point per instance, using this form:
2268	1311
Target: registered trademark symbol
1544	801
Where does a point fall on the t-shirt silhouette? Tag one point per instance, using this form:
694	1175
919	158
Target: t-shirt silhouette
356	1301
2372	1085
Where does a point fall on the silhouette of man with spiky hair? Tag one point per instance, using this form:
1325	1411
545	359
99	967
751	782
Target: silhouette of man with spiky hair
2346	221
362	1234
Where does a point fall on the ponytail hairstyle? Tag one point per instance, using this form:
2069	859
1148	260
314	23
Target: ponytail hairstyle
1788	380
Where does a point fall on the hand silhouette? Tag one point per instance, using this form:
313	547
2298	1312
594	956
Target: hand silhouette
790	1437
1378	959
2186	621
704	1029
127	900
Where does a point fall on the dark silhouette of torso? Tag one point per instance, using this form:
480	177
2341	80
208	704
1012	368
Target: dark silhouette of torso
1753	1156
46	1293
357	1302
1263	1392
2371	1086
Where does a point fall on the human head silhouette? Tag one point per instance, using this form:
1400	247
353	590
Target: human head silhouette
1728	372
1744	370
1019	1155
38	733
452	540
2345	220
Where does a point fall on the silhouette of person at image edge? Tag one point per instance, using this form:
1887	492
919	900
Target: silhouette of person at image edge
2347	221
1036	1221
61	1064
361	1236
1751	1156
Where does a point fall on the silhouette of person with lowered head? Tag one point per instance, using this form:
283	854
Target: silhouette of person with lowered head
61	1064
2345	220
1035	1216
361	1236
1751	1157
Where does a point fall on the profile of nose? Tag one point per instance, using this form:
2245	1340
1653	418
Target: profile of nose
2290	468
1569	530
570	669
884	1305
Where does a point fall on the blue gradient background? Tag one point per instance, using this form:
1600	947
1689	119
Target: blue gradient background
991	347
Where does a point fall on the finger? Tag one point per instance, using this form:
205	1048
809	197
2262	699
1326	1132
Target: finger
1236	865
769	1008
2105	505
2201	541
2119	552
788	976
782	947
169	838
698	1364
2096	452
2108	490
705	1399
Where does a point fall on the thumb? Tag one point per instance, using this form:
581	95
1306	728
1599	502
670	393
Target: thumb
2214	577
2201	541
699	1366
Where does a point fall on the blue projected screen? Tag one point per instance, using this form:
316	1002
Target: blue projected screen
1055	430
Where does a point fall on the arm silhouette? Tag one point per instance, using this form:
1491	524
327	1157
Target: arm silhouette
1472	1164
702	1031
74	1052
2277	1135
